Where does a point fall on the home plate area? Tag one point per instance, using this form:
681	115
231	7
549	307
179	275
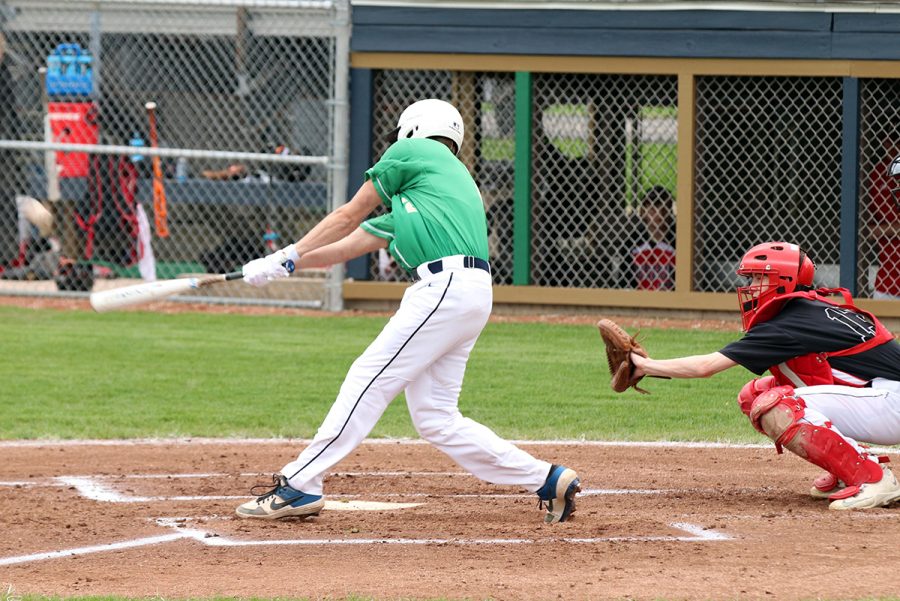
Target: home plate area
225	531
401	520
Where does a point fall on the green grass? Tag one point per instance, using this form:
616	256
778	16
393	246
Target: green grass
73	374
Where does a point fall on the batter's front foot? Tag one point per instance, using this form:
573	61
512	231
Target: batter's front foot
558	494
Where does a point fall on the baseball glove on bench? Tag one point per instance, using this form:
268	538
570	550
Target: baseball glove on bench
619	346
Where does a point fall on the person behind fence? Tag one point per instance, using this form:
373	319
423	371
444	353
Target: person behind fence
653	260
884	223
835	375
435	229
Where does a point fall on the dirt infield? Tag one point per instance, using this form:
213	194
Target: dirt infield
655	522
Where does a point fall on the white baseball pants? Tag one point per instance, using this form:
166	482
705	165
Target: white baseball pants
423	350
859	414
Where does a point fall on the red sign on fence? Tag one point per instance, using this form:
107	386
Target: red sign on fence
73	123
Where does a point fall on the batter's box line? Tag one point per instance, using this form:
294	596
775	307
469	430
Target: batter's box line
695	534
98	488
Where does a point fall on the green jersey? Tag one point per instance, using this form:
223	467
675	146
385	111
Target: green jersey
435	207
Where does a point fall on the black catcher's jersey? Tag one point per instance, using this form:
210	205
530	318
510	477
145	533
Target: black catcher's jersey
806	326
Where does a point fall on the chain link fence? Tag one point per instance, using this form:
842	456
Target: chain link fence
252	117
879	213
768	167
604	167
603	180
250	99
603	146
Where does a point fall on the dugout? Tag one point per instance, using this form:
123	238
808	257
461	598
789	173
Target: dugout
762	120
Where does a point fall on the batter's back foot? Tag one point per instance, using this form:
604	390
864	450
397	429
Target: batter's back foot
281	501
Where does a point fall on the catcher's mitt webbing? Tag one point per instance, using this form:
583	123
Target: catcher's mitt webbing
619	346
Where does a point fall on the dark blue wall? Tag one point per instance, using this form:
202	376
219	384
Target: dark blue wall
672	34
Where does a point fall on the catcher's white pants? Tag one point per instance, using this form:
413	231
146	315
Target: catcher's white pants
423	350
858	414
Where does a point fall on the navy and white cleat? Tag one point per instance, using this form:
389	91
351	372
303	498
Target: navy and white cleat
558	493
281	501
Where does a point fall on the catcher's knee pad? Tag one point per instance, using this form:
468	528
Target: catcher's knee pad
753	389
776	412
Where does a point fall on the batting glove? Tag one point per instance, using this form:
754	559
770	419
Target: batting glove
279	264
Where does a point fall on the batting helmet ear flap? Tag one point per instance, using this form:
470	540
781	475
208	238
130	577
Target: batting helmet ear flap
806	271
391	136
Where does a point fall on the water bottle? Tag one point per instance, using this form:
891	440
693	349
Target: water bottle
138	142
181	170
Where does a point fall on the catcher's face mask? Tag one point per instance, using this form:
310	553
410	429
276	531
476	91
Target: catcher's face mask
774	269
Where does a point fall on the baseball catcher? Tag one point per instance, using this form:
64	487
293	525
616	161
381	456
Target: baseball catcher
835	375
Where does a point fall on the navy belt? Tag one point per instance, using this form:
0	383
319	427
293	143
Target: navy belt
440	265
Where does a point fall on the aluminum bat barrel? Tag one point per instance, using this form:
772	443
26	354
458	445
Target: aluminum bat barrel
128	296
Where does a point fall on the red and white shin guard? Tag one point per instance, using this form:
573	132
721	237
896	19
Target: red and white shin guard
777	412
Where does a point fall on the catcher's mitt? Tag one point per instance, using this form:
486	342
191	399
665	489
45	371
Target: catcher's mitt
619	346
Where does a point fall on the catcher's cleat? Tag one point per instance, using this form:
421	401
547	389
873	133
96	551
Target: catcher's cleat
869	495
281	501
826	485
558	493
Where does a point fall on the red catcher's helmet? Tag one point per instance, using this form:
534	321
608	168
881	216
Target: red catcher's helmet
787	267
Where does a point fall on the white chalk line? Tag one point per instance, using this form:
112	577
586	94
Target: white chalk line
212	539
95	488
128	544
90	488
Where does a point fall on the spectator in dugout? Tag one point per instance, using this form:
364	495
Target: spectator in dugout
884	223
652	262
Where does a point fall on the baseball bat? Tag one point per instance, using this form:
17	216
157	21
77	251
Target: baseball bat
160	215
128	296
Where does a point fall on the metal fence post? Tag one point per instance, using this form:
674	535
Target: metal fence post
850	185
334	300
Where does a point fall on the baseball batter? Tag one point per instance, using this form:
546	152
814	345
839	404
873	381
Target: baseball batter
835	375
436	229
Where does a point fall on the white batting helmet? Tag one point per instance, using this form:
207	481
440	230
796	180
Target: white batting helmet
428	118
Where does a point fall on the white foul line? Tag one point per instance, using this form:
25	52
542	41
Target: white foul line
89	488
129	544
